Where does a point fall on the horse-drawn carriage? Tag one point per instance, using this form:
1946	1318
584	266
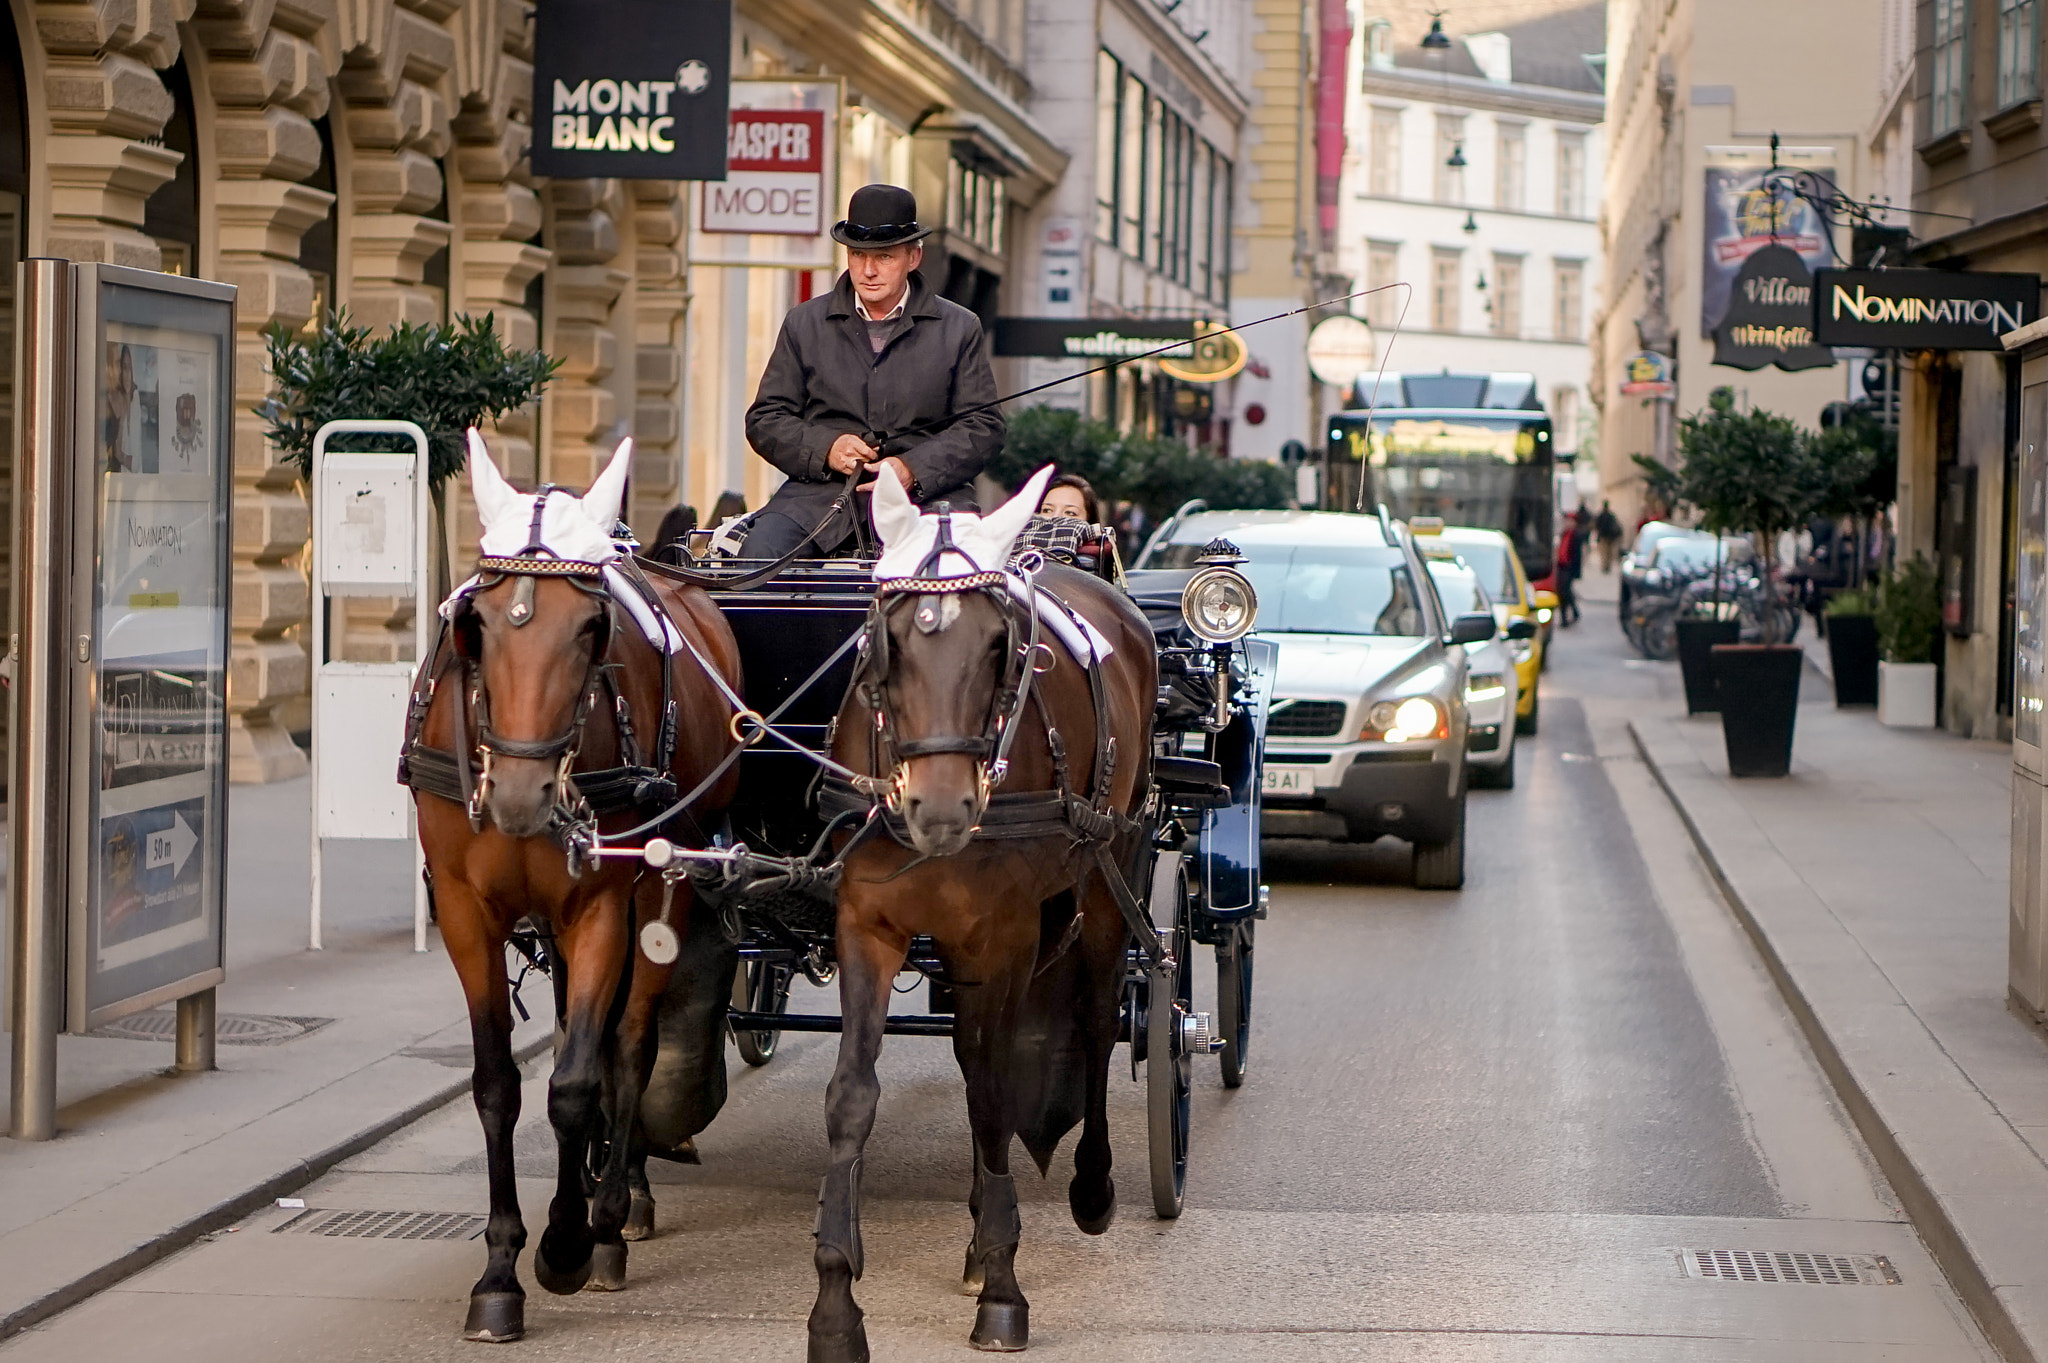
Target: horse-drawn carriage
983	756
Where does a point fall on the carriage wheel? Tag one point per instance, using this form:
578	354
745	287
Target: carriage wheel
760	987
1168	1080
1234	1002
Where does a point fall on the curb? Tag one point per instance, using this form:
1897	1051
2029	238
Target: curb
232	1209
1922	1205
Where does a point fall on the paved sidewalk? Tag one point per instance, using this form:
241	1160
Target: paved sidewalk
1873	880
148	1160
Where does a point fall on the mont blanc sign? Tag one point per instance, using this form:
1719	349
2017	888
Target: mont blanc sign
1922	309
631	89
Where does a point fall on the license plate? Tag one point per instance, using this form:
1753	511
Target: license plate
1289	781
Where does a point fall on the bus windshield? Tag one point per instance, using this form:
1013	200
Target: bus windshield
1490	469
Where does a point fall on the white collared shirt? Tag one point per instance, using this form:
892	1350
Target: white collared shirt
902	301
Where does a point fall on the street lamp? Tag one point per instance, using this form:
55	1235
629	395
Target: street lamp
1471	223
1436	40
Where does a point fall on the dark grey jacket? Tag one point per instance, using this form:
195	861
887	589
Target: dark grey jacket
824	381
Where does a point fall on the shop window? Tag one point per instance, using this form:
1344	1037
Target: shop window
171	214
1945	111
2019	43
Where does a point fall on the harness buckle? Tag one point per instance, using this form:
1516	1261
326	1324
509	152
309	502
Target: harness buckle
479	797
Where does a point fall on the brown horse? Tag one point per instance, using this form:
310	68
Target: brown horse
544	693
960	698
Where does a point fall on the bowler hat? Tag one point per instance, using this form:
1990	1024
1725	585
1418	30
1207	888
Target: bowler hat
878	216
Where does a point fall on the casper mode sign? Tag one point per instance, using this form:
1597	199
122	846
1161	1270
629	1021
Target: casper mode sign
774	174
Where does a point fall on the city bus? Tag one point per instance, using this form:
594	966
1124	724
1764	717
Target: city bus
1473	449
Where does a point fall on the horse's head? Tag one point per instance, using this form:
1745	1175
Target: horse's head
536	638
940	657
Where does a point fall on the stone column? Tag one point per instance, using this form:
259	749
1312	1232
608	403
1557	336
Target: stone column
661	297
581	409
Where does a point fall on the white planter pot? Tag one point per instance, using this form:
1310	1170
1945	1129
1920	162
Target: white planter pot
1905	695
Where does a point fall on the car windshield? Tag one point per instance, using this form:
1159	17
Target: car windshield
1458	588
1691	553
1490	561
1324	589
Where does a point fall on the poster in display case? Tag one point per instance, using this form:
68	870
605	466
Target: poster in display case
149	780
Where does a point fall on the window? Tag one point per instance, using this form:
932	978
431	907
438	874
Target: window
1220	179
1443	289
1510	165
1379	45
1382	268
1108	77
1507	295
1946	111
1200	196
1130	163
1571	175
1571	278
974	205
1450	146
1155	179
1564	419
2019	38
1386	153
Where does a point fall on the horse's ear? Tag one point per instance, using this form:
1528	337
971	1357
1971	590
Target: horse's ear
1000	527
894	514
494	496
605	497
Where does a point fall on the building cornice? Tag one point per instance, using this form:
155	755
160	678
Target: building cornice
1965	246
900	65
1471	92
1213	84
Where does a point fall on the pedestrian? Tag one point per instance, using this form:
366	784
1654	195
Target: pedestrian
1607	529
1570	556
867	379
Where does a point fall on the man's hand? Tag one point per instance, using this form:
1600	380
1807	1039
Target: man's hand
891	465
848	453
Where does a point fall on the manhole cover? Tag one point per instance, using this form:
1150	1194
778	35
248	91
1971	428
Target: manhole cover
1790	1266
386	1225
230	1029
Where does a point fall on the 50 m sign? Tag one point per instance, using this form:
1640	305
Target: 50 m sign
774	175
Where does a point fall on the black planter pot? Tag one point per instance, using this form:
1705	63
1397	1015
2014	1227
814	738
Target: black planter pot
1696	639
1759	686
1852	653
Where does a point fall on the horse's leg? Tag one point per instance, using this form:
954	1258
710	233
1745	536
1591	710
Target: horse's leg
984	1040
631	1057
593	953
1092	1194
640	1210
868	962
497	1304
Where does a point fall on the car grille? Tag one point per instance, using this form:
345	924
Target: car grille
1306	719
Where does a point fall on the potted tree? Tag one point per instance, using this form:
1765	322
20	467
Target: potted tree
1852	646
1756	473
1908	619
447	378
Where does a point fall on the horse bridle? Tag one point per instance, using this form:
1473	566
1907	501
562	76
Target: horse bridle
991	748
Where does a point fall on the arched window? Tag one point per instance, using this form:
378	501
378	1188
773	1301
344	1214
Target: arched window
171	216
319	249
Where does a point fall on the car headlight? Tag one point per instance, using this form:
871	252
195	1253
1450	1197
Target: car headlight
1397	721
1543	615
1485	686
1219	605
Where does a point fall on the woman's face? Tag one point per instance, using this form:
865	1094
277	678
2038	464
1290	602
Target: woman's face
1065	501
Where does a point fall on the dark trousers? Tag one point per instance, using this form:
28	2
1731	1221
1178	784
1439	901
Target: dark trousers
771	535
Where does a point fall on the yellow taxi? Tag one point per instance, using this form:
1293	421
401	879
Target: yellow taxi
1491	554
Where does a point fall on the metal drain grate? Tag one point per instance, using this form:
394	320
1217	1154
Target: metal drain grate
386	1225
230	1029
1790	1266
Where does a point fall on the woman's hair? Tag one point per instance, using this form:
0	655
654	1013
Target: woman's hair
1080	485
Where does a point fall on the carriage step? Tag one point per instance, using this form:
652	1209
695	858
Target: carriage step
1196	780
914	1024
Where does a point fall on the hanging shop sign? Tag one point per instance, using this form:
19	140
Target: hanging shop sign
1769	320
1922	309
1744	214
631	89
780	191
1218	355
1647	374
1341	348
1090	339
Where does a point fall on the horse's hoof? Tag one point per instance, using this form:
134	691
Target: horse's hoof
639	1218
1092	1220
1001	1327
686	1153
559	1281
848	1347
607	1268
495	1318
971	1278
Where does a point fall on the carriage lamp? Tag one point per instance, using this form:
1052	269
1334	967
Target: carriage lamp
1485	686
1219	605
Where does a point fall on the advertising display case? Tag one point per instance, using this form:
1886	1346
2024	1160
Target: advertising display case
2027	957
152	493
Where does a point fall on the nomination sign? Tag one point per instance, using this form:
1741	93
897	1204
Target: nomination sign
631	89
1922	309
